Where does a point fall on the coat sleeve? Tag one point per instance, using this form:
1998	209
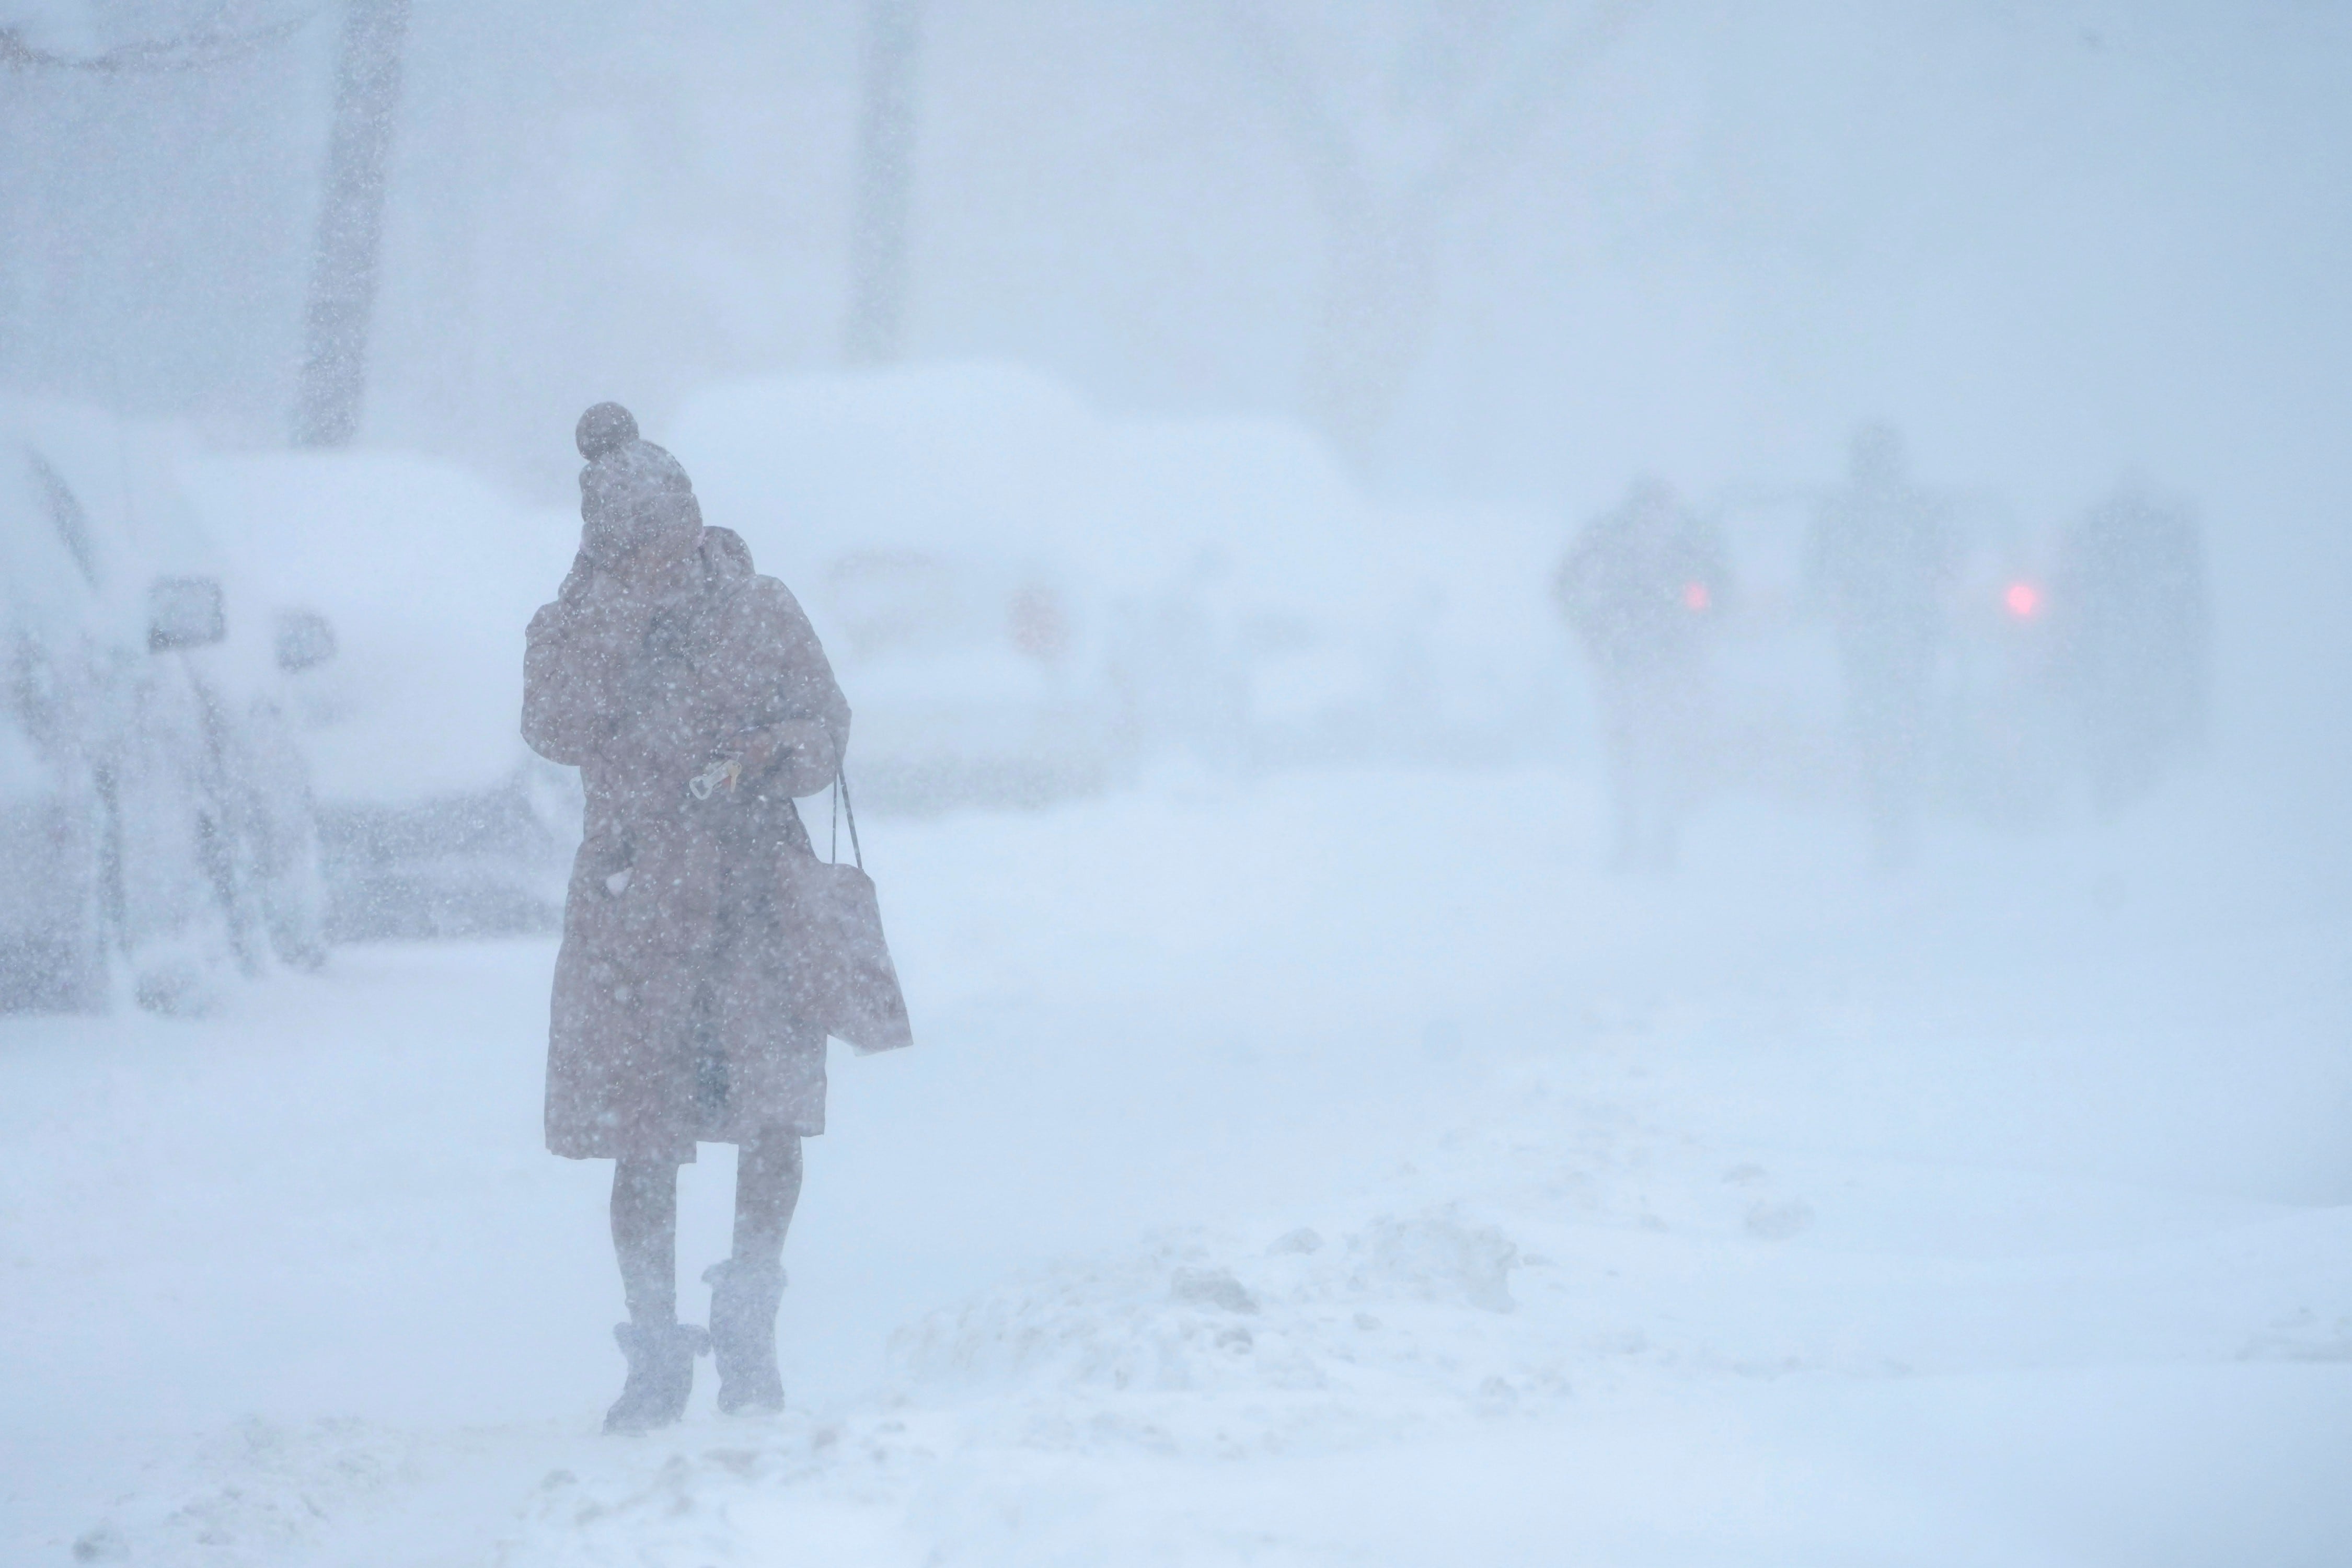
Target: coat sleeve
802	697
564	673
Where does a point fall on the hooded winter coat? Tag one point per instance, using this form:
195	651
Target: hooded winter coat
672	1019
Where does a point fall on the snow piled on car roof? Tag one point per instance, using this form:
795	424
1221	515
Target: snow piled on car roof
91	514
994	459
429	577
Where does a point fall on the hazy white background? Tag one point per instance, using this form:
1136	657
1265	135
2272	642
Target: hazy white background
2051	241
2071	1170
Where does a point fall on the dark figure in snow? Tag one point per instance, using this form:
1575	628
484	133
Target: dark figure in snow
1883	562
693	696
2128	601
1642	587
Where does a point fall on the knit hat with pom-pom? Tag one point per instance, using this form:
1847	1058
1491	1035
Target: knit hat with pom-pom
603	428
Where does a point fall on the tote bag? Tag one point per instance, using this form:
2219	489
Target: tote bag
842	974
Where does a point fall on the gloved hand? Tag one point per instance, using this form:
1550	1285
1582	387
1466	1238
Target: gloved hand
795	755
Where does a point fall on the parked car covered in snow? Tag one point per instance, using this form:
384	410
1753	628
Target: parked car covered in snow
434	818
1027	598
156	826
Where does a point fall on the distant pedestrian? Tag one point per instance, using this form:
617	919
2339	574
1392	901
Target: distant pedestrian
1643	587
693	698
1884	559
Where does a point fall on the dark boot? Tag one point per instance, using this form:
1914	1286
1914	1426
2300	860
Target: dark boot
744	1300
661	1374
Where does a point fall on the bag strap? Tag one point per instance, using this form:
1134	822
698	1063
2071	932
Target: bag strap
849	809
843	804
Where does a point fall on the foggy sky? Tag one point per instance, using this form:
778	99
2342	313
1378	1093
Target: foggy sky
2054	242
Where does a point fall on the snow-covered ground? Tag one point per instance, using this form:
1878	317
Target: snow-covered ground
1332	1170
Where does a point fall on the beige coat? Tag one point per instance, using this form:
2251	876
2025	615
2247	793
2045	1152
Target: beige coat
671	1021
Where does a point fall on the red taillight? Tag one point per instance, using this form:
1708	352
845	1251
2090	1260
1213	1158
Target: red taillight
2023	600
1696	597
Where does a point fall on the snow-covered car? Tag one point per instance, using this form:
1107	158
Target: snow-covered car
967	673
156	826
435	818
1027	598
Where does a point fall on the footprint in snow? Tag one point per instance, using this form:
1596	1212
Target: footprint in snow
1779	1222
1211	1288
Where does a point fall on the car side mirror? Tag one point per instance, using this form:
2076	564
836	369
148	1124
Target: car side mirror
185	612
306	639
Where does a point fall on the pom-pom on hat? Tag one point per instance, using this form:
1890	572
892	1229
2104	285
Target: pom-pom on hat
604	428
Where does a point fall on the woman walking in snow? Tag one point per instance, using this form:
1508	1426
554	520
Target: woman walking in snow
693	698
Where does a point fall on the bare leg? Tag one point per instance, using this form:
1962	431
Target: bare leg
660	1352
645	1237
767	1190
747	1289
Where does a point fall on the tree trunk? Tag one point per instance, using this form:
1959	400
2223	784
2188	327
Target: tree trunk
350	224
885	182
